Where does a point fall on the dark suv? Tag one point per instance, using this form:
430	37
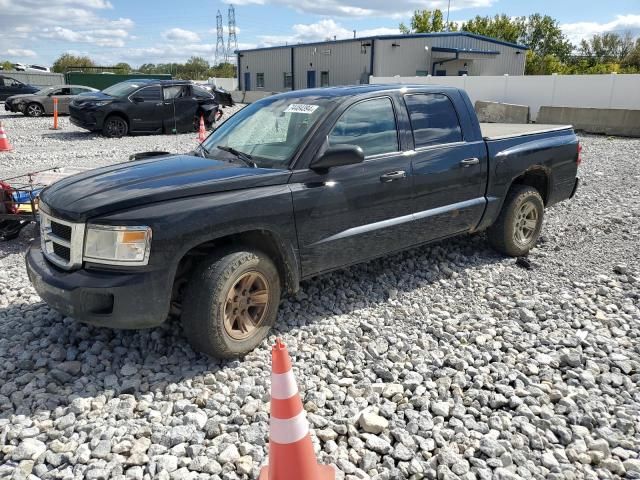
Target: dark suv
144	106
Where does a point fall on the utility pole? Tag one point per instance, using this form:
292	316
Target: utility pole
220	50
232	40
448	8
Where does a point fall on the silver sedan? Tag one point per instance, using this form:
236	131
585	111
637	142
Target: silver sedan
41	102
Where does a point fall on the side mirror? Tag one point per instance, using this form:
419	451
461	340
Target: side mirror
137	99
337	156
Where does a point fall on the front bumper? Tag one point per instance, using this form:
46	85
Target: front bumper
89	119
108	299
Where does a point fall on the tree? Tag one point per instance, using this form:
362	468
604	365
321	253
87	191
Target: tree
544	37
67	60
224	70
123	68
632	59
608	46
427	21
500	26
6	65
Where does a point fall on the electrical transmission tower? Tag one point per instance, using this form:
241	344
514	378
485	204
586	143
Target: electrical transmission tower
232	40
221	54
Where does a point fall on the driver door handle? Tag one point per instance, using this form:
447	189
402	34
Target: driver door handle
470	161
391	176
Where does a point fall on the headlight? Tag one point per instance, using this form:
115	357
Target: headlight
117	245
100	103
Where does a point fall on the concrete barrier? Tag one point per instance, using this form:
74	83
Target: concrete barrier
495	112
251	96
609	121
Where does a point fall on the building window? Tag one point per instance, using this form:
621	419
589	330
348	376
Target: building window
288	80
421	73
324	79
259	80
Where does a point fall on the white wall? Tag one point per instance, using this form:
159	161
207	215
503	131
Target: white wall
37	79
594	91
229	84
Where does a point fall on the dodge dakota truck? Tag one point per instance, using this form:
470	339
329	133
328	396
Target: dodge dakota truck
292	186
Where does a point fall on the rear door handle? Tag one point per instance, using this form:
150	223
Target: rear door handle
391	176
470	161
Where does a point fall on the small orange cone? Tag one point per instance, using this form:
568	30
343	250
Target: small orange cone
291	455
5	146
202	134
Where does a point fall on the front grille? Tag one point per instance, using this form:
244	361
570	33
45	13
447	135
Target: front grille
62	251
62	241
61	230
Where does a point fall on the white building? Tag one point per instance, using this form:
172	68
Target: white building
352	61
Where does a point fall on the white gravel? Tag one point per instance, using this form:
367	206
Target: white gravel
445	362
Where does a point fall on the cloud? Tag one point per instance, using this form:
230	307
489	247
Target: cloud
20	52
181	35
326	29
103	37
621	24
368	8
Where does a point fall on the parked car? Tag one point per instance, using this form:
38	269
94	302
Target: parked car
292	186
145	106
10	86
222	96
41	102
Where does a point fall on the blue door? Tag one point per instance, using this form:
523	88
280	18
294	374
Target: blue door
247	81
311	79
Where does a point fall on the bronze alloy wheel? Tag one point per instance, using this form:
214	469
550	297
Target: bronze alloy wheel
246	305
526	223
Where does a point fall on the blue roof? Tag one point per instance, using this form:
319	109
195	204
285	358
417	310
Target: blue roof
396	37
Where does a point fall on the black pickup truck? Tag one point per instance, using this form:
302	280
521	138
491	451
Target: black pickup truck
292	186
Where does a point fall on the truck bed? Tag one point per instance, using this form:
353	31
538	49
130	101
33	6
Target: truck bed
496	131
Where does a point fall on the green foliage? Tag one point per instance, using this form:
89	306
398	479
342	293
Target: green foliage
427	21
67	61
196	68
6	65
632	59
544	37
500	26
123	68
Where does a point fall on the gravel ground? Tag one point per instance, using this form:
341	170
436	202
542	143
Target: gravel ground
447	361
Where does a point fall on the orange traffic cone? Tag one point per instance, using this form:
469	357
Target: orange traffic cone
291	455
202	134
5	146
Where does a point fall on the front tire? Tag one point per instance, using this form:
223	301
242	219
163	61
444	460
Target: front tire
115	127
518	226
231	303
34	110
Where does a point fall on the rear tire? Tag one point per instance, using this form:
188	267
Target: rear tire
34	110
115	127
518	226
231	302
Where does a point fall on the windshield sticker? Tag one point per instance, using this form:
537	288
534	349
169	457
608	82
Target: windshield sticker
301	108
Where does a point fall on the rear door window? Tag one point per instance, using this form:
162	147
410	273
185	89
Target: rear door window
370	124
433	119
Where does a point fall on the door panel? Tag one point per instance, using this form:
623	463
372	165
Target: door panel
181	108
350	214
449	194
147	115
247	81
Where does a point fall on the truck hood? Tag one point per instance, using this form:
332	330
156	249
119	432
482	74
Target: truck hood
118	187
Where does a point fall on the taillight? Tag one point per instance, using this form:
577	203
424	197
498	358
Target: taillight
579	159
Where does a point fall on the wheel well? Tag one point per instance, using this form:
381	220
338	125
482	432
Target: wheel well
537	178
116	114
261	240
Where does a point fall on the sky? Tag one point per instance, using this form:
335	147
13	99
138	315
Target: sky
137	31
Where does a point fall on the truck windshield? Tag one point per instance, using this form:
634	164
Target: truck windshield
270	130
